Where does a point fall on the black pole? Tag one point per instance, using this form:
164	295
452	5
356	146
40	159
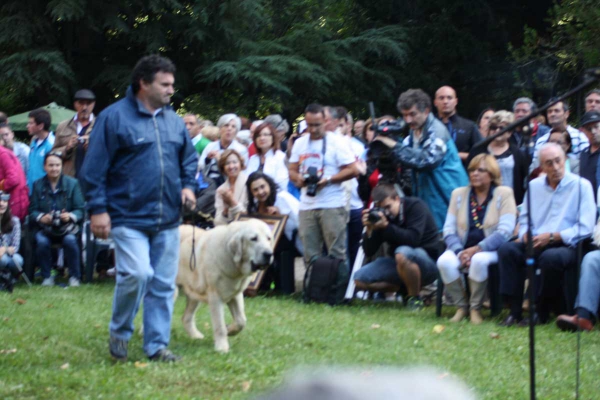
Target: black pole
530	262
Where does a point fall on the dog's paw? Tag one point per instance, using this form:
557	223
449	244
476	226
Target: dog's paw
196	335
233	329
222	347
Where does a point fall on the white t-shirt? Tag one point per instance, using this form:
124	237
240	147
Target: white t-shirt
309	153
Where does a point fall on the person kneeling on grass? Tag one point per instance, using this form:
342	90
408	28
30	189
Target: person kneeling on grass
481	217
408	227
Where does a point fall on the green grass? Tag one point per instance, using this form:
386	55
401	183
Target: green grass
57	326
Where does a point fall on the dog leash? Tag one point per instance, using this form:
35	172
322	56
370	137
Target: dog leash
192	208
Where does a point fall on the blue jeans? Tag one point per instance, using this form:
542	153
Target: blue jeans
383	269
589	283
43	252
13	263
146	265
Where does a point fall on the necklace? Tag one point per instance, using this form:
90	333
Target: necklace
477	209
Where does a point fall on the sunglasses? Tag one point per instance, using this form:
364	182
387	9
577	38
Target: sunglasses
4	197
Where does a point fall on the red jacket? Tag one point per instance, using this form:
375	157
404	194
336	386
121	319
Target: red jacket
13	182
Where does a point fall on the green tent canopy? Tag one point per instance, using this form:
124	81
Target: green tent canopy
58	113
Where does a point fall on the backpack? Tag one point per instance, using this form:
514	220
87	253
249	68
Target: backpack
325	281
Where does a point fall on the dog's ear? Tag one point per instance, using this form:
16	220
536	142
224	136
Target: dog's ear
235	246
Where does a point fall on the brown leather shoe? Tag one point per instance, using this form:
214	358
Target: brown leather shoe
571	323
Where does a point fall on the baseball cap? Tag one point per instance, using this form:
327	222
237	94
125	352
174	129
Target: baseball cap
590	117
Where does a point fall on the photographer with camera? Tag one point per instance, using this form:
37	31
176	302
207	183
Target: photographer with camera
407	226
429	150
56	213
319	163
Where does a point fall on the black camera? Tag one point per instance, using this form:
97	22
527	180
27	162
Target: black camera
394	129
56	222
311	177
373	216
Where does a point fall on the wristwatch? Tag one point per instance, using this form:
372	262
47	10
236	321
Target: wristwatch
328	180
551	237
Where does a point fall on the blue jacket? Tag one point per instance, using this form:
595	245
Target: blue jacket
137	165
436	167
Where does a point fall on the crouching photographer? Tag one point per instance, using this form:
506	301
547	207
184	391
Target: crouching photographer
407	226
56	213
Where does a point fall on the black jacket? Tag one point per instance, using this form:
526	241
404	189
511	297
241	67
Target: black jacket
418	229
464	132
520	171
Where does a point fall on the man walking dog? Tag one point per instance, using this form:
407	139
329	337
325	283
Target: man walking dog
138	172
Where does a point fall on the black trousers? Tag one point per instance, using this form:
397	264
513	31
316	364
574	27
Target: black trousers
551	262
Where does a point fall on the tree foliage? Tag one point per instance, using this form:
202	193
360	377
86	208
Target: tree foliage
260	56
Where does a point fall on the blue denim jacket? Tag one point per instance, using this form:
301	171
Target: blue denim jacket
137	164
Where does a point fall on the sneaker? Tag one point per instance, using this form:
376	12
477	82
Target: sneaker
415	304
117	348
73	282
48	281
164	355
111	271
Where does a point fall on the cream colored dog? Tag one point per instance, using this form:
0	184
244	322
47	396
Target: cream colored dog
225	259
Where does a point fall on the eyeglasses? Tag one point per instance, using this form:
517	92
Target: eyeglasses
496	127
480	170
265	134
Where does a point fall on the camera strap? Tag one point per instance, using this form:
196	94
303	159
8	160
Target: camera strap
323	149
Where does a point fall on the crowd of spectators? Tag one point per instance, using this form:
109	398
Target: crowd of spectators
465	211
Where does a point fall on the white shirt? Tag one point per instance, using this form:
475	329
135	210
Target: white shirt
274	167
79	126
216	145
309	153
289	205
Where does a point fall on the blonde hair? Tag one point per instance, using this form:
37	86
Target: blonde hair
502	116
210	132
490	164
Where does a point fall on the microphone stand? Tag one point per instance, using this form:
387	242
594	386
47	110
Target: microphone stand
591	76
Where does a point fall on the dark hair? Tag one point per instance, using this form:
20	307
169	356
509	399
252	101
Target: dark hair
341	112
264	125
382	191
482	113
147	67
246	123
252	206
314	108
5	125
3	117
414	97
566	137
56	154
223	160
6	221
565	105
41	116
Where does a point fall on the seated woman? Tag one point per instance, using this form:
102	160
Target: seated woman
231	198
56	211
512	162
11	262
481	217
266	200
269	158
